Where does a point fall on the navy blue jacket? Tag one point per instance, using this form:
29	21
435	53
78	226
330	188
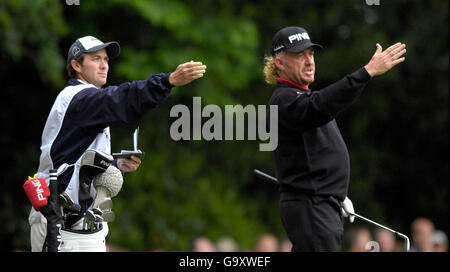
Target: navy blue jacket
80	120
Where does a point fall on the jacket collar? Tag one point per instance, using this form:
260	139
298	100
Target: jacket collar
289	82
75	82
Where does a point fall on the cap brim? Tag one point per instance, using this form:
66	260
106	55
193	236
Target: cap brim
302	47
112	48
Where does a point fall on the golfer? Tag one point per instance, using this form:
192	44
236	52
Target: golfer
82	113
312	161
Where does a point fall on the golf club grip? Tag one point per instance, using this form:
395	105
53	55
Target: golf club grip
265	176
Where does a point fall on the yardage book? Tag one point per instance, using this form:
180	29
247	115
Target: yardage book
127	153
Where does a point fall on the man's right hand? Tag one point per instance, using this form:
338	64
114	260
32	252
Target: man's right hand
382	62
186	73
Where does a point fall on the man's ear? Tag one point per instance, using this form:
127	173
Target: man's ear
76	65
279	63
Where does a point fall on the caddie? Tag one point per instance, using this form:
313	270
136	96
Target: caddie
80	117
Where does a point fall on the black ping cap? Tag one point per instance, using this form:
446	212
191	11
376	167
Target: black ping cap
292	39
89	44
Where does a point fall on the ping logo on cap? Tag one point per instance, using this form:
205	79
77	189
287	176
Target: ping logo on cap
298	37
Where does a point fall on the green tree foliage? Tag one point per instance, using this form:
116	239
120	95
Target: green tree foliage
31	68
30	30
396	132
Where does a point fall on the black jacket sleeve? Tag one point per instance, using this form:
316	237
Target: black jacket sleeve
301	110
98	108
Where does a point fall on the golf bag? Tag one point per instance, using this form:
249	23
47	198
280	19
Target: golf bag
76	238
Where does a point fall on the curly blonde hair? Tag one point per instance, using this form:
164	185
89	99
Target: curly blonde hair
270	69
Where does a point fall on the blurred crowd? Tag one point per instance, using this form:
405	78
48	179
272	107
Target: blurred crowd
423	238
265	243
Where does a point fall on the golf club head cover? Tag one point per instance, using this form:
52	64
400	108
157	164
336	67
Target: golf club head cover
93	163
37	192
111	179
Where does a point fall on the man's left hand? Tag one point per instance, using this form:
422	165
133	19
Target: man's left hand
347	206
383	61
128	165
